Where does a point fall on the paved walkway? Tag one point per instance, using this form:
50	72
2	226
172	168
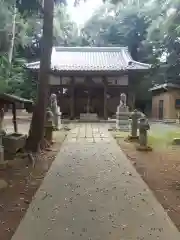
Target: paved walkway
92	192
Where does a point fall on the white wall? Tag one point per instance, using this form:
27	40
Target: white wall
120	81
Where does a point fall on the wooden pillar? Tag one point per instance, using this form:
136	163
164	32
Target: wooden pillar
88	106
14	117
72	99
105	98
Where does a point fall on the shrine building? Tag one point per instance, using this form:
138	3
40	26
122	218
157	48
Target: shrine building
92	77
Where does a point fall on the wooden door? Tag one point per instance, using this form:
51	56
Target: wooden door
161	109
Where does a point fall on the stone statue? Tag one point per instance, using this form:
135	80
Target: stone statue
123	99
55	110
122	107
122	114
143	139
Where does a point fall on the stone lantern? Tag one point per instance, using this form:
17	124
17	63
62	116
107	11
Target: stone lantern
49	125
135	115
143	140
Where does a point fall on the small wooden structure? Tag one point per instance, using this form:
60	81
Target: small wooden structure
165	101
7	99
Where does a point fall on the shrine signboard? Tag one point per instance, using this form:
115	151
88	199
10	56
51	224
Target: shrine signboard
118	81
112	81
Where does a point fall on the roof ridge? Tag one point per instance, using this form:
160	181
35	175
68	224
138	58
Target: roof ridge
89	49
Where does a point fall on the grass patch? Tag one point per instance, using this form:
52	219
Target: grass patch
155	140
161	141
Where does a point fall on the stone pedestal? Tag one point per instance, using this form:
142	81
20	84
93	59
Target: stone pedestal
122	118
13	142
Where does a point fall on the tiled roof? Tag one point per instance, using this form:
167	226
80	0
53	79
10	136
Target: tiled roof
13	99
164	86
91	59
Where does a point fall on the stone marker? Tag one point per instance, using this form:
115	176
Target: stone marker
143	140
49	125
135	115
3	184
122	114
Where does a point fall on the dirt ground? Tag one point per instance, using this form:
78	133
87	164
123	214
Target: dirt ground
160	169
23	181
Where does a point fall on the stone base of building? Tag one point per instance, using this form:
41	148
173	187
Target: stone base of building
123	125
89	117
99	120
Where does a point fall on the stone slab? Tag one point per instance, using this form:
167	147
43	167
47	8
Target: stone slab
88	116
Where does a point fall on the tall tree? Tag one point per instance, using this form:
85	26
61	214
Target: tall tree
13	33
36	133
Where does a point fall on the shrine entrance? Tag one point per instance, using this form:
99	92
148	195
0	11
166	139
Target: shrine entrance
89	100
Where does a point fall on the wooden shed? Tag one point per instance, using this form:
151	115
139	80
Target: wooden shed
165	101
7	99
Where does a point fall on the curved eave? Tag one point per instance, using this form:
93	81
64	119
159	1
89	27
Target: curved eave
134	66
164	86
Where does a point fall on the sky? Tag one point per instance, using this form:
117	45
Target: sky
84	11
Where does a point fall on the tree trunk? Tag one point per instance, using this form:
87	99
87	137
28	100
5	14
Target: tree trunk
36	133
11	48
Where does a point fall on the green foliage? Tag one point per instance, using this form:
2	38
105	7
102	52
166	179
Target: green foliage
14	78
32	6
65	31
151	31
149	28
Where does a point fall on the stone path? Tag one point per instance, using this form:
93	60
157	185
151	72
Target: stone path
92	192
